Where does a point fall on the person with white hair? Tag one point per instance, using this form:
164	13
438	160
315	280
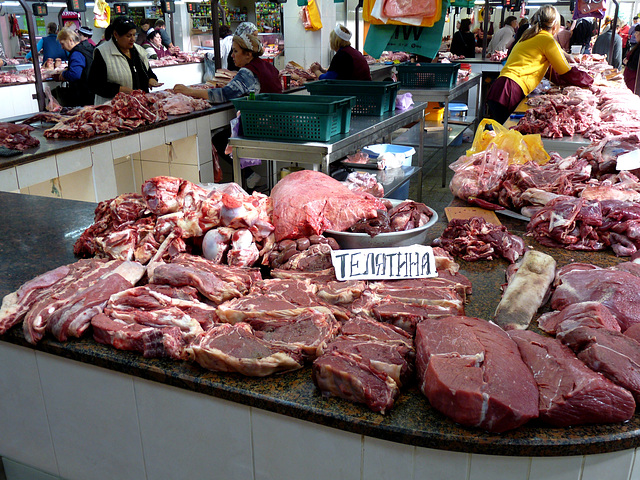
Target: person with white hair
348	63
255	75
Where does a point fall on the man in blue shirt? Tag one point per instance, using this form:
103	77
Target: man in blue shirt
50	46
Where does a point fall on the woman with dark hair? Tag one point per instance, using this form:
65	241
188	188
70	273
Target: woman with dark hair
529	61
153	46
119	64
631	61
463	41
255	75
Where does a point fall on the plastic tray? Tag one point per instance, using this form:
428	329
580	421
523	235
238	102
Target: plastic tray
295	117
372	98
428	75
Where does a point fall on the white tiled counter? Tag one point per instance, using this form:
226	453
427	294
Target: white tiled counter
105	166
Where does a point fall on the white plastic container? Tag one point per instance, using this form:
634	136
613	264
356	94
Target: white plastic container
374	151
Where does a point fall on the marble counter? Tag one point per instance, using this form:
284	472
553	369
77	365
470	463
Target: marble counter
39	236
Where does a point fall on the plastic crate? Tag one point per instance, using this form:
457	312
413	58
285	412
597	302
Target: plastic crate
428	75
372	98
295	117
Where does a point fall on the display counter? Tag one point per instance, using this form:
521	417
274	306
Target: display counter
104	166
19	98
82	410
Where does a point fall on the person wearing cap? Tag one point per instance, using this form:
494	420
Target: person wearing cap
119	64
348	63
244	28
154	47
164	35
49	45
631	61
77	73
85	34
255	75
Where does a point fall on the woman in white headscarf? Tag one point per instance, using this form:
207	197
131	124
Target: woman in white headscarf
348	63
255	75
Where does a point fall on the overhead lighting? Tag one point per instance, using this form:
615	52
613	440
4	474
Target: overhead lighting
10	4
141	4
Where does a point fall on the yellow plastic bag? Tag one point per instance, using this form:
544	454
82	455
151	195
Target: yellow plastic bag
313	16
101	14
521	148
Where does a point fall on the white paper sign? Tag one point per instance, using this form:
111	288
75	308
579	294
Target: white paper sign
395	263
628	161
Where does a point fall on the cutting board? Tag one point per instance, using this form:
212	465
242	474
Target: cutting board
468	212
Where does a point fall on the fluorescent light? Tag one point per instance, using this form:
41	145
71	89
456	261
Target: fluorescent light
141	4
10	4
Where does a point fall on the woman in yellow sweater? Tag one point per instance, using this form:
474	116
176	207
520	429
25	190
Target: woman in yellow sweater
527	64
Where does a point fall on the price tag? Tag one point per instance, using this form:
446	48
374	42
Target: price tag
394	263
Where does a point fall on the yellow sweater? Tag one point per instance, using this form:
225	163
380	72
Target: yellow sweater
529	61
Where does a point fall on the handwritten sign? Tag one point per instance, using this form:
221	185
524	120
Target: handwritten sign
415	261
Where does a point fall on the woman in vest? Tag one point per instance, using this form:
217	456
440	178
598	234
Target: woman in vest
119	64
348	63
154	47
254	75
77	73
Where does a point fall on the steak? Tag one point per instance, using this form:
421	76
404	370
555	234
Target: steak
363	327
234	348
590	314
570	392
472	372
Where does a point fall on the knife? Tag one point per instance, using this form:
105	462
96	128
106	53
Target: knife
509	213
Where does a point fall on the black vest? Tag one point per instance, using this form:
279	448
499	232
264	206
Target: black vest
80	87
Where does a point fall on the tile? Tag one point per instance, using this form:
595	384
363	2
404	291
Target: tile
186	444
175	132
186	172
205	154
203	127
220	119
103	171
287	448
635	469
206	173
18	471
8	180
556	468
192	127
125	145
152	138
383	460
48	188
184	151
22	410
296	54
153	169
612	466
93	420
137	175
495	467
440	464
73	161
37	172
125	178
159	153
78	186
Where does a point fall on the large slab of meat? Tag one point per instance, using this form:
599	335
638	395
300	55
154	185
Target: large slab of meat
17	137
570	392
235	348
588	313
307	203
472	372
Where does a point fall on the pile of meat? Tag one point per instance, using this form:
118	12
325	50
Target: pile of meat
299	74
178	59
402	217
17	137
399	57
224	222
178	104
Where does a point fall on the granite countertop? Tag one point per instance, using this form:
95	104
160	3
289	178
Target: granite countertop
39	236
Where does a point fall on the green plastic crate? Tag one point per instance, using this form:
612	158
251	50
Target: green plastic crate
295	117
428	75
372	98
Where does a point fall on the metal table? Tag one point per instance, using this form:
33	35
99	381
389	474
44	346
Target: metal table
445	95
364	130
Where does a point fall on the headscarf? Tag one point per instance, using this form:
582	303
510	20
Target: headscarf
246	27
249	42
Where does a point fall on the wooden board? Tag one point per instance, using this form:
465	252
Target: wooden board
468	212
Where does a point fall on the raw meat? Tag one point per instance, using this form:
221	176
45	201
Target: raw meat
611	353
409	8
17	137
472	372
325	205
344	376
480	174
365	328
526	292
591	314
234	348
570	392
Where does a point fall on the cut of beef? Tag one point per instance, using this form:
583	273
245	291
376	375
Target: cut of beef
341	293
570	392
617	290
363	327
307	203
216	282
472	372
234	348
151	342
588	314
344	376
611	353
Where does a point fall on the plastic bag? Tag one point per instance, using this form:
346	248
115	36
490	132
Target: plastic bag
102	14
404	101
313	16
236	127
209	61
521	148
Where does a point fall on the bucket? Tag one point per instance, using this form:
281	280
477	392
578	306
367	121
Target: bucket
458	110
374	151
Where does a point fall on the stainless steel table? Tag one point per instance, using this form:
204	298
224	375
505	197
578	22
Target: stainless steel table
364	130
446	95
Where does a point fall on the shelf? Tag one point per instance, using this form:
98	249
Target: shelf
432	139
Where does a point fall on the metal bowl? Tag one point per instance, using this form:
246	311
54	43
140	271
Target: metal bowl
391	239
